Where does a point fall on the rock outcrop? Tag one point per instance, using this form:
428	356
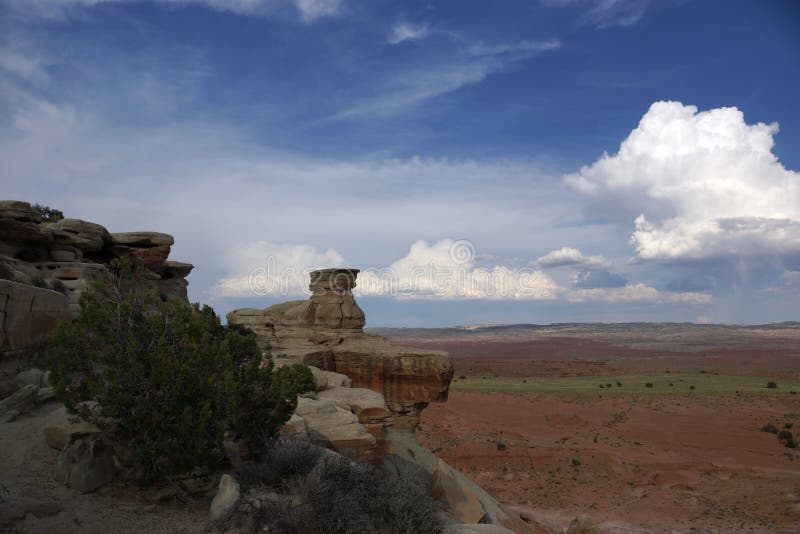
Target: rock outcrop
28	315
71	253
326	331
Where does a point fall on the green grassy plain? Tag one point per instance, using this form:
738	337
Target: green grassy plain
704	383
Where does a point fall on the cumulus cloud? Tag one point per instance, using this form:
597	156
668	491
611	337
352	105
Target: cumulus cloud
278	269
637	293
447	270
568	256
407	32
706	184
591	279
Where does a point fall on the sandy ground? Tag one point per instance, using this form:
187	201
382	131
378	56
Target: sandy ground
667	464
27	465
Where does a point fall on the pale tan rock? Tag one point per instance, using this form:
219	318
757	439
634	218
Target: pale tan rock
334	427
294	428
459	498
320	380
31	376
583	525
337	379
176	269
58	437
366	404
227	495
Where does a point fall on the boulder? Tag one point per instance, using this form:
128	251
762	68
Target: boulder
152	258
23	401
320	380
28	315
366	404
225	499
58	437
31	376
45	394
337	379
18	211
476	529
294	428
85	465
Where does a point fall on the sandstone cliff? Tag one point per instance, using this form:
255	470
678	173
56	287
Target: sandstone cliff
73	252
326	331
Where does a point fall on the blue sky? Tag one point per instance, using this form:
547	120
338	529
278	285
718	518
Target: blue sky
635	160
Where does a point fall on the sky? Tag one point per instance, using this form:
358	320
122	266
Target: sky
538	161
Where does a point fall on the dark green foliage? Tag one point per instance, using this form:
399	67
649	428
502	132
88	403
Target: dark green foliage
169	379
772	385
787	439
47	213
648	384
5	272
501	446
331	494
576	462
772	429
38	281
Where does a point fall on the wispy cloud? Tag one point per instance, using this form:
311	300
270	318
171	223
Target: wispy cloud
407	32
462	67
309	10
605	13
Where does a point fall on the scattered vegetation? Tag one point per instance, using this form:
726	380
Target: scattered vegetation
167	379
47	213
772	385
772	429
303	489
501	446
648	384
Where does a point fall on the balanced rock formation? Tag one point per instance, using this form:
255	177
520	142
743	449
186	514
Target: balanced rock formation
71	253
326	331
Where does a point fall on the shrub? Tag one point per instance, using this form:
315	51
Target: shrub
619	384
786	438
5	272
501	446
47	213
648	384
168	378
772	385
691	387
331	494
462	377
772	429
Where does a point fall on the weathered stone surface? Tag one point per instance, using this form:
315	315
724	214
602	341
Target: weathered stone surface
28	315
85	465
402	446
22	401
176	269
81	235
334	427
325	331
582	525
19	211
476	529
45	394
20	224
175	288
366	404
459	498
58	437
75	276
337	380
143	239
31	376
294	428
225	499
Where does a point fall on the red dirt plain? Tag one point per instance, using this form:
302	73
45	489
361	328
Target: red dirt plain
699	465
664	463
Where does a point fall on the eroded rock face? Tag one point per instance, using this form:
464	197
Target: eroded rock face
326	331
74	252
28	315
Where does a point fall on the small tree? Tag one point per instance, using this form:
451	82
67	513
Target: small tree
47	213
167	380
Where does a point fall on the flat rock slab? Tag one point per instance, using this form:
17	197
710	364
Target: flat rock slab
367	405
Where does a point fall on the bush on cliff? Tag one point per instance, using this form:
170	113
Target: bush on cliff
47	213
168	380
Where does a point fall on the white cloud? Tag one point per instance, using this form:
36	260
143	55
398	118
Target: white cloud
309	10
570	256
606	13
446	270
706	184
263	268
637	293
407	32
312	10
23	63
408	88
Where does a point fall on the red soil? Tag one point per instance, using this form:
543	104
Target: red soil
668	464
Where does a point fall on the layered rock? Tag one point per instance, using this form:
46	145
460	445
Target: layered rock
28	315
74	252
326	331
